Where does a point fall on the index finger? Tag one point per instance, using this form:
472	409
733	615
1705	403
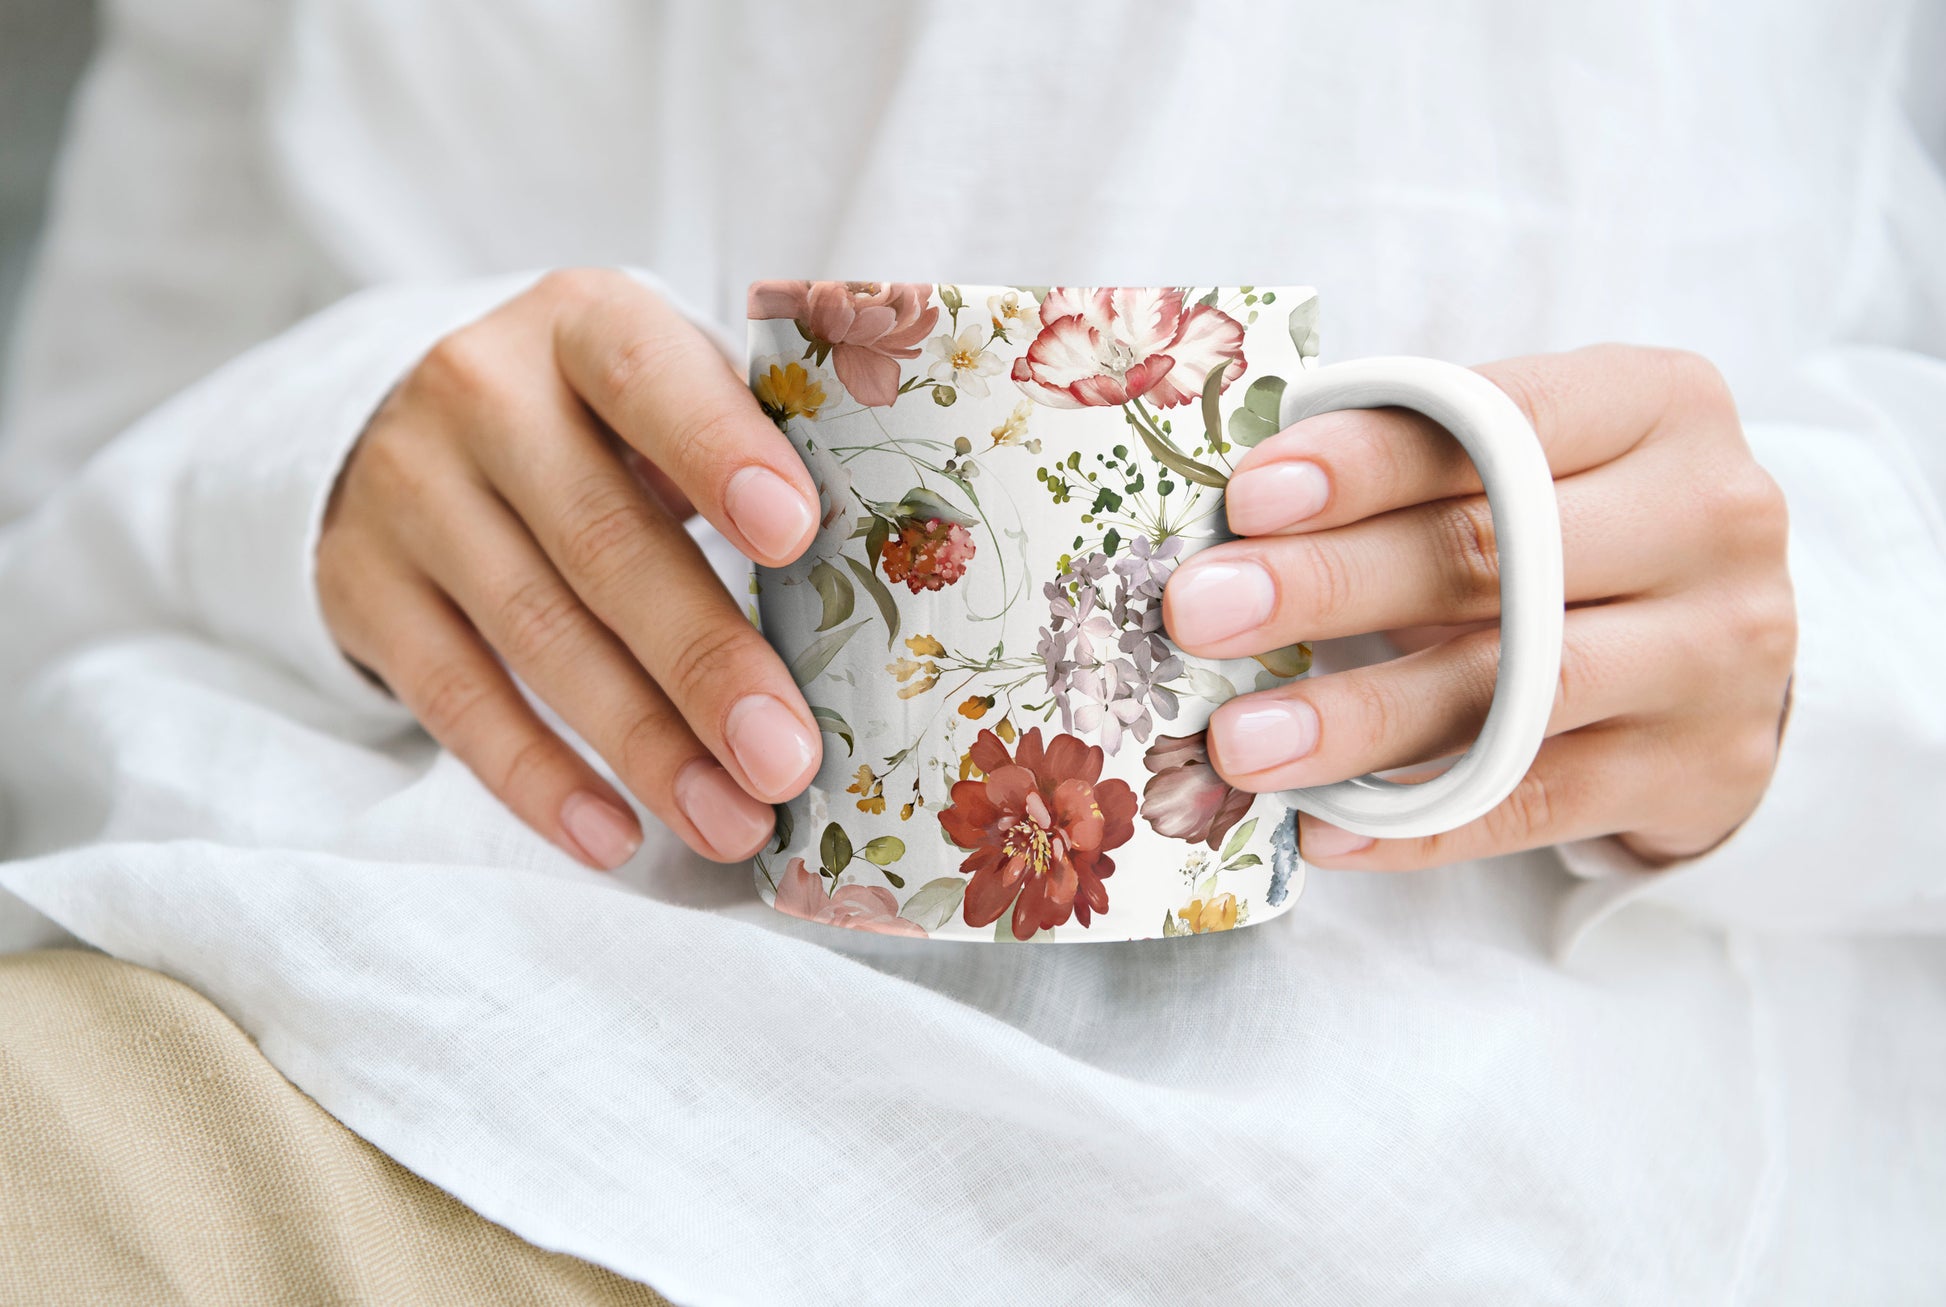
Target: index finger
1588	406
660	385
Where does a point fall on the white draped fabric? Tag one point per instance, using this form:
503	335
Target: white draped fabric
1509	1081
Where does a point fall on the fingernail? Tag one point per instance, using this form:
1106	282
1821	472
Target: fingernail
772	746
771	512
1255	736
730	821
605	834
1323	840
1215	600
1275	496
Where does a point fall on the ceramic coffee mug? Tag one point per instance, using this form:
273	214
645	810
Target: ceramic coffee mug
1007	476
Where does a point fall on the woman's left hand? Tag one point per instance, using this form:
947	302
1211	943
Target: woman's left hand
1680	638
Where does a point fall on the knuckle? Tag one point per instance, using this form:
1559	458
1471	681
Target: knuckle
461	366
711	656
573	285
1375	704
530	766
707	439
636	366
643	757
448	698
1525	816
1328	572
1527	383
1750	505
1470	553
536	616
604	531
1695	380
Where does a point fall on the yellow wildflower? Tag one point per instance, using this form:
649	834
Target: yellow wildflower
787	391
920	686
976	707
1005	730
1200	916
1013	431
924	646
870	788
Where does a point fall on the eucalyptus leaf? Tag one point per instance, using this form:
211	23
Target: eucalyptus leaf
933	904
1303	324
817	655
884	851
835	591
964	485
1256	421
876	535
887	607
1238	838
834	849
1245	860
833	722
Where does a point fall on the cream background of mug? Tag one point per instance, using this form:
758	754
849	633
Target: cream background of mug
1016	470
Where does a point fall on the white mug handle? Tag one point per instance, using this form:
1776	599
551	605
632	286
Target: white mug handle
1527	531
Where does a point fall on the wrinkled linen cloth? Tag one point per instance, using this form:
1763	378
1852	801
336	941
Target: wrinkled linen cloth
1555	1077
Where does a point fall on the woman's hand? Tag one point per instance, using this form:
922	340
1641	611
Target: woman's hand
1680	633
489	510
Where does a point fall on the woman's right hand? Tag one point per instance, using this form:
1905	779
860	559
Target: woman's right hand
490	509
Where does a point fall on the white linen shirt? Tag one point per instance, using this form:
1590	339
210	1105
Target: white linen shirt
1733	1090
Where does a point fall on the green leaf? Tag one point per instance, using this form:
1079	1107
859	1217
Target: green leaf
884	851
817	655
922	503
876	535
1181	464
835	592
1303	325
833	722
964	485
888	608
1212	398
1291	660
1238	838
1208	301
933	904
786	824
898	881
1246	860
944	396
1256	421
834	849
1169	928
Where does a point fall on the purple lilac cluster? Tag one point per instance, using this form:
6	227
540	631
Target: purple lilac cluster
1108	666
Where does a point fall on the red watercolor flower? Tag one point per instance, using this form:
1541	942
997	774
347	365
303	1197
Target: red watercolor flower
928	554
1039	824
867	326
1111	346
1185	799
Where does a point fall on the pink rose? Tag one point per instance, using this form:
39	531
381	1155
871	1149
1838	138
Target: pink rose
867	326
860	907
1110	346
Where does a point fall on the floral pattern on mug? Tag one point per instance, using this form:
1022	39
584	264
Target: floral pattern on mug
1025	703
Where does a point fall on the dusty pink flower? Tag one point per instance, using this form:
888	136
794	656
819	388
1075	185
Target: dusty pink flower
1110	346
872	908
867	326
1185	799
928	555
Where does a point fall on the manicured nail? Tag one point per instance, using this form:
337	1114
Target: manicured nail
1252	736
730	821
605	834
1320	839
772	746
1276	496
771	512
1212	601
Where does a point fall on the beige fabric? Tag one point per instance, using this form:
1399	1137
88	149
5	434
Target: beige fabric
150	1154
